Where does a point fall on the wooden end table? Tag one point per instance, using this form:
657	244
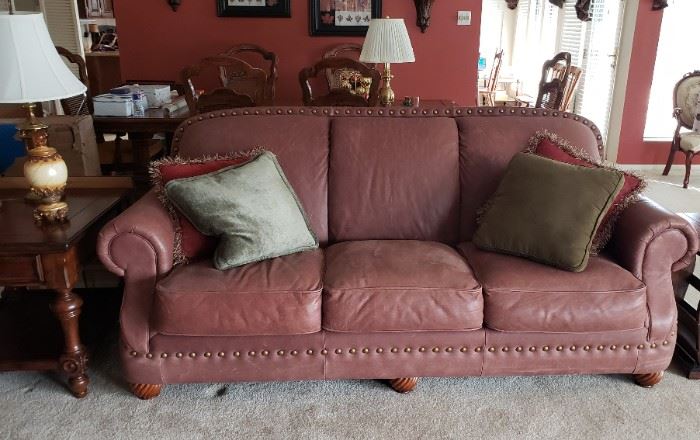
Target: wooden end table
49	257
688	343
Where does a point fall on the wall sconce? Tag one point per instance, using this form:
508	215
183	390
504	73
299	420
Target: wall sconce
423	13
174	4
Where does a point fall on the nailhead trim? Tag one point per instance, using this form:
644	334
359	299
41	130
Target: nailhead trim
426	112
395	350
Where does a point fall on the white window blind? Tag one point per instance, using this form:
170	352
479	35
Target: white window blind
675	56
62	20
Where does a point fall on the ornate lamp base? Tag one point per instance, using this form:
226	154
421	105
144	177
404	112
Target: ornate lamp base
52	213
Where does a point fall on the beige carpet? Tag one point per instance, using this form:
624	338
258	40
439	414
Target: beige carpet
35	406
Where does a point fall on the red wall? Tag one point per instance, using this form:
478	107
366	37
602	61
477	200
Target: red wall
633	149
156	43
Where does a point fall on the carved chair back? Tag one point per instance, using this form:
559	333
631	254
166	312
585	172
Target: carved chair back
335	77
685	97
80	104
553	82
342	96
251	82
495	72
221	97
571	79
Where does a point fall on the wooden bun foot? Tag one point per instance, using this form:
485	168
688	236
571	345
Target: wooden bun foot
648	380
403	384
145	391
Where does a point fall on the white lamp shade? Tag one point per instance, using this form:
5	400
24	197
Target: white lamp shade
387	41
31	70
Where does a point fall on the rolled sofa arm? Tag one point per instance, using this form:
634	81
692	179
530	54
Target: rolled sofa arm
138	245
146	220
652	243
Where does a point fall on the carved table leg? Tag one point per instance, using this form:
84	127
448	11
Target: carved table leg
648	380
145	391
73	361
403	384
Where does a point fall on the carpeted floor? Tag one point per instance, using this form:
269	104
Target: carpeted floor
36	406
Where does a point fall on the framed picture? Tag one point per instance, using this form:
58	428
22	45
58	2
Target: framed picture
342	17
253	8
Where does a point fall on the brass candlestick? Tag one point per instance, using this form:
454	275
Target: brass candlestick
386	94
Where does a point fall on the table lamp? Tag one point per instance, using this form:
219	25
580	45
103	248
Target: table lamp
387	42
31	71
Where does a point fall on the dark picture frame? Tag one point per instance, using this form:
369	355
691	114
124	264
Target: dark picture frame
228	8
319	24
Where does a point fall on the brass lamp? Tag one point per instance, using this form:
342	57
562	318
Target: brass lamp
387	42
32	71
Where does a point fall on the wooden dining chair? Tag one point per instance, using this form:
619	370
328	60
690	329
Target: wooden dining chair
80	104
571	79
685	98
222	97
487	94
249	80
342	95
552	82
337	77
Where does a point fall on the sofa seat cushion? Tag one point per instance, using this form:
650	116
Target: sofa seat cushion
399	285
279	296
523	296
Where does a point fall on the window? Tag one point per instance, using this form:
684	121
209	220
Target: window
675	56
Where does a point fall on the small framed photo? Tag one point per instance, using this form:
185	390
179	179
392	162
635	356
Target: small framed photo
253	8
342	17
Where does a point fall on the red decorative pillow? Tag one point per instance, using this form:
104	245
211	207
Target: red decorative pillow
189	242
551	146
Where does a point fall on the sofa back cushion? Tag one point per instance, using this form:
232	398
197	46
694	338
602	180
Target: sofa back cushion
300	143
394	178
488	143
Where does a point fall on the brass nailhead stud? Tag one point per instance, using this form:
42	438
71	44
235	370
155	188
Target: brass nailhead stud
280	352
353	351
518	349
407	349
640	346
613	347
207	354
665	342
533	348
673	333
179	355
601	347
164	355
237	353
653	345
380	350
149	355
324	352
464	349
294	352
448	349
477	349
422	349
545	348
626	347
505	349
394	350
492	349
338	351
587	348
560	348
436	349
222	354
264	352
573	348
193	354
365	350
309	352
133	353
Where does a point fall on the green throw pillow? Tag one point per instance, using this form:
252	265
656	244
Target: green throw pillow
547	211
251	207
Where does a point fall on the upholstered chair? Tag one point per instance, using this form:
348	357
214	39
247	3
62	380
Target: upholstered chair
685	98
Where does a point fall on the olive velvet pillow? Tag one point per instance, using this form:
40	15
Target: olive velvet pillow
547	211
250	206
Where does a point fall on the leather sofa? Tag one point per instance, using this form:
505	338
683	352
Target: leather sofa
397	291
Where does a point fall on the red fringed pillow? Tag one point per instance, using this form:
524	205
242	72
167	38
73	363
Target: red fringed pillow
189	242
551	146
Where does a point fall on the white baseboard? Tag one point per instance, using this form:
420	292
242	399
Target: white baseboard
676	170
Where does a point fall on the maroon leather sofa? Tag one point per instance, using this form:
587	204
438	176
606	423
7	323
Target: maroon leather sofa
397	290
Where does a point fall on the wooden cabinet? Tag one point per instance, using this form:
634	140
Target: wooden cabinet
96	8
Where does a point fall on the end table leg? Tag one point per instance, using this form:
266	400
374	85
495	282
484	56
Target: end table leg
73	361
